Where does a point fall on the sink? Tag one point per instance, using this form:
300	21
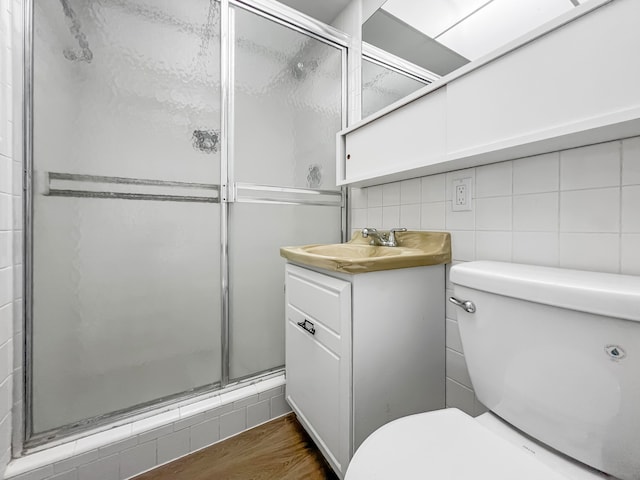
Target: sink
414	249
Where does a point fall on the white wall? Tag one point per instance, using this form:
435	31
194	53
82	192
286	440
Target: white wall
575	208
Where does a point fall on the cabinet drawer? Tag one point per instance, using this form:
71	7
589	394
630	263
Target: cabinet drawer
321	334
316	295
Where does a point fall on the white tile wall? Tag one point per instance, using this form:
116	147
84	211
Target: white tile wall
575	208
631	161
537	174
10	203
129	450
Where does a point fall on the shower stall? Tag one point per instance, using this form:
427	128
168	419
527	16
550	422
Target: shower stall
172	148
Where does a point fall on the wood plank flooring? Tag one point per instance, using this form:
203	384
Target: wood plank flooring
280	449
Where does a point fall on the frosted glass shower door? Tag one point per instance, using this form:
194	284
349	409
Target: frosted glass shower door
126	219
287	101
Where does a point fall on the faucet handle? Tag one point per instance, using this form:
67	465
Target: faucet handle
392	236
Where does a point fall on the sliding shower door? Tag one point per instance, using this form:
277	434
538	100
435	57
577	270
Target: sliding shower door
176	147
126	219
287	108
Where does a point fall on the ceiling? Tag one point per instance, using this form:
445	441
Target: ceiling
324	10
473	28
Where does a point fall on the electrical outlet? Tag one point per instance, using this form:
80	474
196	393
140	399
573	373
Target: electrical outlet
461	188
461	194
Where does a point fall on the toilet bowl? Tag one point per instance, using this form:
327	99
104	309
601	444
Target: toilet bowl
553	354
451	445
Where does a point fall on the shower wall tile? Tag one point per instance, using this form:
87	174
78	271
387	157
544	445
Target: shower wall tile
168	436
494	180
233	422
631	161
6	255
374	217
279	406
433	216
359	218
433	188
6	286
6	212
410	191
453	336
258	413
495	246
590	167
494	213
536	174
174	445
536	212
6	315
573	209
374	196
590	251
390	217
460	220
536	248
205	433
410	216
463	245
359	197
630	214
457	368
107	468
630	254
459	396
6	174
391	194
68	475
138	459
596	210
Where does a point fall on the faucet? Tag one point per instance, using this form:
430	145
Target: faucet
382	239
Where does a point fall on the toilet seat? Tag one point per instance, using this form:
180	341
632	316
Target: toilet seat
444	445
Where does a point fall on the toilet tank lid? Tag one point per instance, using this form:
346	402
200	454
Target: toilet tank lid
599	293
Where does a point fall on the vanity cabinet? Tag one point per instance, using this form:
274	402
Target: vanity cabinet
362	350
318	347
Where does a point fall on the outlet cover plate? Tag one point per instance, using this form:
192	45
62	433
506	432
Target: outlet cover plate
461	192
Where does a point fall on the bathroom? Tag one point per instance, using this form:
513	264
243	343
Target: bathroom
571	208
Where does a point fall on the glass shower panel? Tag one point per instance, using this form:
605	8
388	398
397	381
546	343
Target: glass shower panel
126	224
287	101
381	86
257	276
287	105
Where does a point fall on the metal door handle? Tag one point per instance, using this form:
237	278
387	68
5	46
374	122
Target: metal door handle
311	329
466	305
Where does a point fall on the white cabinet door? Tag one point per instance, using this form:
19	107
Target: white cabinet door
406	138
318	343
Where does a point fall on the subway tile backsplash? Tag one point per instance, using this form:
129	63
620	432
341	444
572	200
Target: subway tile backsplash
575	208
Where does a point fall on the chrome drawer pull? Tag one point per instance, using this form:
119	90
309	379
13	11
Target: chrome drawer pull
466	305
311	329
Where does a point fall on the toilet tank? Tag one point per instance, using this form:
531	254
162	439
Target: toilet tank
556	353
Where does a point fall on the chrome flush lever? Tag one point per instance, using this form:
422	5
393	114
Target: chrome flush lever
466	305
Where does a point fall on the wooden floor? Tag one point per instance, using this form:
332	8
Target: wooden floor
280	449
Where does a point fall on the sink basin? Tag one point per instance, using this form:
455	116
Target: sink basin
355	250
414	249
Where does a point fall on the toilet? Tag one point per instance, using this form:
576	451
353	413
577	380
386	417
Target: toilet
554	355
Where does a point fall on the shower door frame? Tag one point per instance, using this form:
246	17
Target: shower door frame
24	440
